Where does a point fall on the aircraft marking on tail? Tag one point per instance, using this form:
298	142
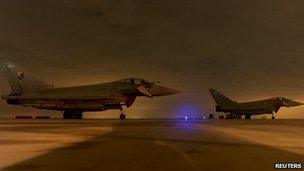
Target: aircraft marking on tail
20	75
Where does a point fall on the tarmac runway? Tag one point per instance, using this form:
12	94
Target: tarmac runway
211	145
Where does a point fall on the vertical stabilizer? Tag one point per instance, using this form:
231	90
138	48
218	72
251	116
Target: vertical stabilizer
219	98
18	80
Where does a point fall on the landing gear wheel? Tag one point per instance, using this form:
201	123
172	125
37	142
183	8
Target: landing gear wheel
238	116
247	116
72	115
231	116
122	116
67	115
78	115
273	118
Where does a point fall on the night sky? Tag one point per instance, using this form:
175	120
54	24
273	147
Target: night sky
246	49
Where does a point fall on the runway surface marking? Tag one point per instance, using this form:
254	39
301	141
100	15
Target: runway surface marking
16	147
279	137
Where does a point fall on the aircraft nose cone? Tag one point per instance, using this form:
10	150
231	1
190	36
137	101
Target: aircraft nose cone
157	90
292	103
295	103
170	91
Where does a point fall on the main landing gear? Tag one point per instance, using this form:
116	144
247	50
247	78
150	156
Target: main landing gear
233	116
247	116
273	118
72	115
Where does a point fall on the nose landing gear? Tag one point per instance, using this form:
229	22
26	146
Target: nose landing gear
122	116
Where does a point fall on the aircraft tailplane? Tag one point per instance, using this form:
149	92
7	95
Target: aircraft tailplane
20	81
219	98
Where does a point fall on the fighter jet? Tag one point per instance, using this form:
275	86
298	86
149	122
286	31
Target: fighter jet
73	101
236	110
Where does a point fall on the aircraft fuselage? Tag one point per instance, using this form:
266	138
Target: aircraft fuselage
97	97
267	106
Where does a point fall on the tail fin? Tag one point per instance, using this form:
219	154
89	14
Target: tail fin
219	98
20	81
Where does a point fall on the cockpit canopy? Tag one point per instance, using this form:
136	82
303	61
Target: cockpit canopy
136	81
281	99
